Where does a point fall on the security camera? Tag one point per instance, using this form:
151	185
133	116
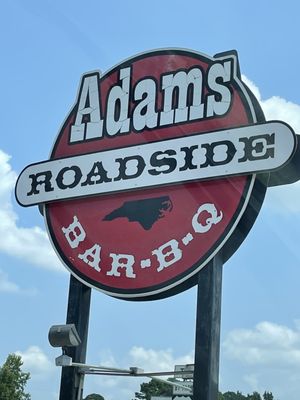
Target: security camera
64	336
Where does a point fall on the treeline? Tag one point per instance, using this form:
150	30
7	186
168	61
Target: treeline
240	396
160	388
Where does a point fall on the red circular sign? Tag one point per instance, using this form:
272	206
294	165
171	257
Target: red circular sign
145	243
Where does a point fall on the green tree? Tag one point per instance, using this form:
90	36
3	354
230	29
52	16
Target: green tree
268	396
233	396
13	380
94	396
254	396
153	388
239	396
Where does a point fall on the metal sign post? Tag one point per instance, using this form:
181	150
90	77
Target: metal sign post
207	346
78	313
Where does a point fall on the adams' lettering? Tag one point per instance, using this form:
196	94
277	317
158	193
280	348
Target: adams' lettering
187	95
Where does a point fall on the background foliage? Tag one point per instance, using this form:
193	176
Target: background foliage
13	380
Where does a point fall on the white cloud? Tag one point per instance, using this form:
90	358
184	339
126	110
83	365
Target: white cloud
276	107
7	286
280	199
266	357
29	244
266	344
44	379
157	360
108	359
37	363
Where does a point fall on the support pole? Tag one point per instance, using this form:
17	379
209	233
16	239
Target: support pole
78	312
208	319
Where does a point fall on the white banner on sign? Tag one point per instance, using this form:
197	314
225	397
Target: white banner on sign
180	390
246	150
182	398
160	398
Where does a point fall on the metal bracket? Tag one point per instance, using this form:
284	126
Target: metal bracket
290	173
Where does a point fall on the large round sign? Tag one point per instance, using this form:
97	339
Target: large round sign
145	242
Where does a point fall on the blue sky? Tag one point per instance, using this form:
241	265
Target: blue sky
46	46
